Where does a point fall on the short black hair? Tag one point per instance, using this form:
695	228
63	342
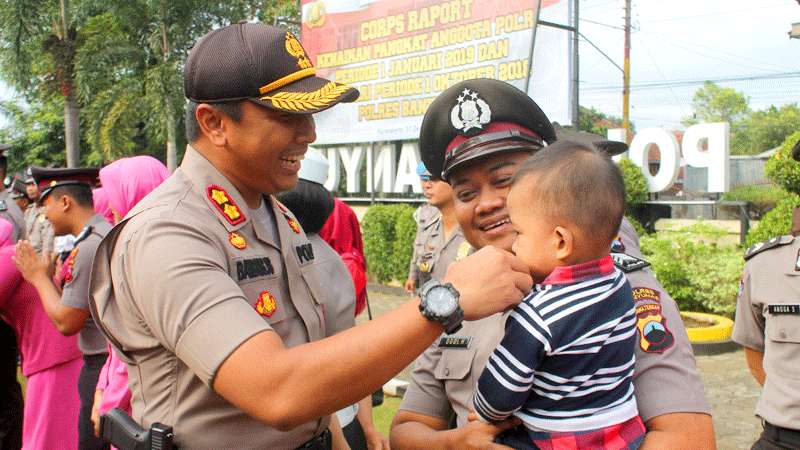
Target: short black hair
310	202
579	184
79	193
231	109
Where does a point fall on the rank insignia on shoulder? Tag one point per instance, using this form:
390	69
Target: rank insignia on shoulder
293	225
462	342
628	263
266	304
767	245
70	263
225	204
237	240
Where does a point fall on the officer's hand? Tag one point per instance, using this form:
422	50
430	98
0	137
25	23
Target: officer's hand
31	265
95	418
376	440
489	281
480	435
409	286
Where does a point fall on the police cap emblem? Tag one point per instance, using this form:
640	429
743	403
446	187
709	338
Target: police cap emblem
470	113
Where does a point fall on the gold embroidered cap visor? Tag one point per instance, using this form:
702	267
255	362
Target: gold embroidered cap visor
261	63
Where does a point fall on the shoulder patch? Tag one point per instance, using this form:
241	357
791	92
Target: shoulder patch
225	204
654	335
767	245
628	263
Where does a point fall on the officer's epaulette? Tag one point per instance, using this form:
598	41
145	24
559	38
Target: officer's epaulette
766	245
3	205
628	263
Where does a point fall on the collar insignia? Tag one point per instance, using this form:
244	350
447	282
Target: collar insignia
293	225
225	204
266	304
237	240
470	114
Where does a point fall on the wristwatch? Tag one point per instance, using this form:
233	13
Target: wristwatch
439	302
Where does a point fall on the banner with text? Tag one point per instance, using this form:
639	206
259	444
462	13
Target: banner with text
401	53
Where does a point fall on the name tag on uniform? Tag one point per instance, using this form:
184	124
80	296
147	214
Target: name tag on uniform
784	309
463	342
305	253
254	268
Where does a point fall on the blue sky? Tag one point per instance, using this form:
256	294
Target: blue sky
683	40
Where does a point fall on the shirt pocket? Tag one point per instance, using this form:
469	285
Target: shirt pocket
455	364
783	351
265	298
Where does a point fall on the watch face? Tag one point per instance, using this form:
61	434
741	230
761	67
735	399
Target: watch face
441	301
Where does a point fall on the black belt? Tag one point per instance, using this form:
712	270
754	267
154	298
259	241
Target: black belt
321	442
784	436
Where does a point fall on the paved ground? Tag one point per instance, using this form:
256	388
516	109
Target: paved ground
729	386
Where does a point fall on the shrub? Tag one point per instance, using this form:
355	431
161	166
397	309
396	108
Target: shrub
762	197
636	191
782	169
777	222
698	273
388	240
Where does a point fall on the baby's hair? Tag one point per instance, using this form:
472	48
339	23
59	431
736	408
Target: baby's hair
574	182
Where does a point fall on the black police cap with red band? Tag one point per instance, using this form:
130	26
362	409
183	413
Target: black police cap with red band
49	179
477	118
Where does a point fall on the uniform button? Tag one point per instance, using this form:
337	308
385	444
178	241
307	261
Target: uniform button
446	372
782	334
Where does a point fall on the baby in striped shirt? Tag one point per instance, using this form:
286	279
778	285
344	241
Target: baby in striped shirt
565	364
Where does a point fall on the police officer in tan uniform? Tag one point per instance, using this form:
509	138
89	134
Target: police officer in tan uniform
475	134
39	230
67	198
768	327
439	240
209	289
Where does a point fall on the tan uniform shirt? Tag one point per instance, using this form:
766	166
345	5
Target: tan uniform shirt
424	216
11	212
183	282
665	377
75	293
339	301
432	253
768	321
39	229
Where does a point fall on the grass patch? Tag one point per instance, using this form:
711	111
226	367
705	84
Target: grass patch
383	415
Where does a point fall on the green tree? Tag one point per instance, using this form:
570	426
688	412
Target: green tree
764	130
594	121
38	42
713	103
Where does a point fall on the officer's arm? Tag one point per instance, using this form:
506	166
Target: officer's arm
288	387
755	361
678	431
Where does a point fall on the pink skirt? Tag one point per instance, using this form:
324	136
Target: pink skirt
51	408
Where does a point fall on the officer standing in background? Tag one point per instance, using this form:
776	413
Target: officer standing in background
475	135
209	289
8	208
67	198
439	240
18	193
39	230
768	327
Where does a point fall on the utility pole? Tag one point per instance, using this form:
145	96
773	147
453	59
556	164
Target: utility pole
626	74
575	66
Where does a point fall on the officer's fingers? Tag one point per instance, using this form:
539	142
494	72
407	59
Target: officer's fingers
522	281
517	265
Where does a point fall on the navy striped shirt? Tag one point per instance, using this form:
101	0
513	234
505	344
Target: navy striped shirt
566	360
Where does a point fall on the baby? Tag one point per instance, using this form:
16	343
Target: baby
565	364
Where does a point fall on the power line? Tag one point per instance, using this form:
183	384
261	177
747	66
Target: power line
676	83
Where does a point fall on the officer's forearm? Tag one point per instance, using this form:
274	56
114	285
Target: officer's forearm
755	362
288	387
679	431
412	431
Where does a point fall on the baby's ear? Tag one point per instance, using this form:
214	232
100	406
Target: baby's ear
564	241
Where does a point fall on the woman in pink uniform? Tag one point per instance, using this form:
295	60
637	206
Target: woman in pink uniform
125	182
50	360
